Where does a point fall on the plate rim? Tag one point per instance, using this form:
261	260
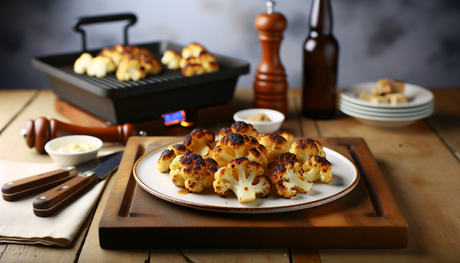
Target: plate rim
377	118
395	116
387	110
245	210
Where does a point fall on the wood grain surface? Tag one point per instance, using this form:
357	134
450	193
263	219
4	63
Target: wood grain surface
367	215
419	163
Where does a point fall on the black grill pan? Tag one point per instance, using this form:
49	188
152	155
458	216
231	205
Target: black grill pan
121	102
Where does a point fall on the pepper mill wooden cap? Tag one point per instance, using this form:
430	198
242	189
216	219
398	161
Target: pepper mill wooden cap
270	84
270	21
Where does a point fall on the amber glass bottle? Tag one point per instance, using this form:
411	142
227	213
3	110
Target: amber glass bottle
320	59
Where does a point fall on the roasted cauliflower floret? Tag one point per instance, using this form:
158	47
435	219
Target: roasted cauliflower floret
171	59
100	66
168	155
209	62
244	178
233	145
200	141
193	172
192	50
193	70
287	135
280	159
304	149
259	155
318	167
82	63
275	144
240	127
288	181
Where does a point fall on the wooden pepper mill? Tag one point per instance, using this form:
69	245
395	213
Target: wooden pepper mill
42	130
270	85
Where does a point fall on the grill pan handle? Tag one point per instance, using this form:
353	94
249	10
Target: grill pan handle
103	18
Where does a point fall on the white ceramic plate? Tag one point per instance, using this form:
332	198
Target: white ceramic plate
417	95
397	115
371	116
387	110
346	177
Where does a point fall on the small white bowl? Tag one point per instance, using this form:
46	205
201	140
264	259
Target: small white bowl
70	159
276	118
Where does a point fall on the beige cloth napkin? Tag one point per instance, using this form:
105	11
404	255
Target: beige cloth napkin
18	223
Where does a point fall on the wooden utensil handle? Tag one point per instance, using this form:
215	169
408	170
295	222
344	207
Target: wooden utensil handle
42	130
37	183
50	202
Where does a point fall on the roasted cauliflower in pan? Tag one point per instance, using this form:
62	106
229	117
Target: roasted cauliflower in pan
171	59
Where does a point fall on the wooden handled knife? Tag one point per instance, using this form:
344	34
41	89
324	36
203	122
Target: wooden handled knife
48	203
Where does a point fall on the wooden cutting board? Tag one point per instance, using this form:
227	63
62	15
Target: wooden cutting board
367	217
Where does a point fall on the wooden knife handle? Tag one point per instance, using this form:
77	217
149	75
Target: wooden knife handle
14	190
50	202
38	132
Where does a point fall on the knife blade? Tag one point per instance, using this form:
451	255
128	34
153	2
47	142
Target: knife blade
50	202
23	187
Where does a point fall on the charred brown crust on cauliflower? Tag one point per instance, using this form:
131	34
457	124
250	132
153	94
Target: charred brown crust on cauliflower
288	181
239	127
168	155
318	167
193	172
306	148
280	159
275	144
244	178
286	135
200	141
259	155
233	145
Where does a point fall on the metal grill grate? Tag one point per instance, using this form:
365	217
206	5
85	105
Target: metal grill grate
110	82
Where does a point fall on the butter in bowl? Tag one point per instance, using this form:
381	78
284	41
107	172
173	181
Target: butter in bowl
73	150
263	120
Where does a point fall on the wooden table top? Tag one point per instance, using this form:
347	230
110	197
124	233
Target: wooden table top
420	163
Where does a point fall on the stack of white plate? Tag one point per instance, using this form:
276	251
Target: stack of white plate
382	115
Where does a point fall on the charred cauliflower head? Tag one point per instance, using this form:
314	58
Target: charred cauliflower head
259	155
240	127
318	167
193	172
280	159
287	135
200	141
244	178
168	155
171	59
288	181
233	145
275	144
306	148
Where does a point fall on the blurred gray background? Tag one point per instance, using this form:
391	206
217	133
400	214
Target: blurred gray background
417	41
